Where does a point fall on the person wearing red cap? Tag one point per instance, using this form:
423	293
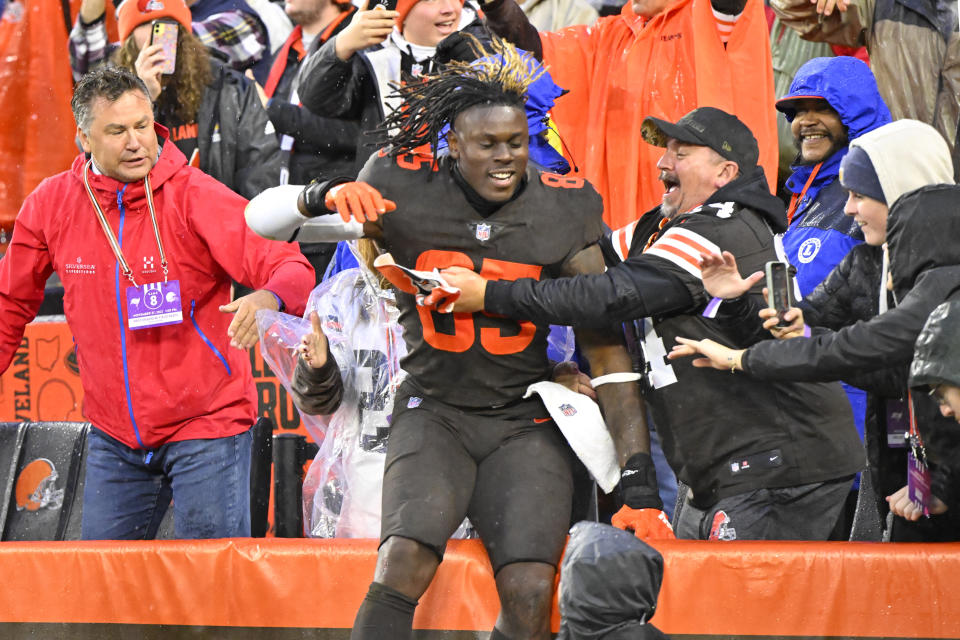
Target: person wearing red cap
235	32
212	112
351	76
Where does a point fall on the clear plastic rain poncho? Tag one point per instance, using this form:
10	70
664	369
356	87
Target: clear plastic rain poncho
342	489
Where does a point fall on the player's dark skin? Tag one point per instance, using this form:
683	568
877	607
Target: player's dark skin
490	146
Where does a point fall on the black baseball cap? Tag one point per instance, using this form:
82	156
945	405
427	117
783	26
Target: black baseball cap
707	127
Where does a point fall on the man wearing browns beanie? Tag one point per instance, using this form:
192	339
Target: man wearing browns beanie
351	76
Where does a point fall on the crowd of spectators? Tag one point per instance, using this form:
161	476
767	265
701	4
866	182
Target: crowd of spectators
350	129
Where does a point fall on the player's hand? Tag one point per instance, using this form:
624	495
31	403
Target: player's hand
901	505
826	7
472	287
313	346
569	375
243	328
793	316
366	28
647	524
717	355
147	65
721	278
357	200
440	299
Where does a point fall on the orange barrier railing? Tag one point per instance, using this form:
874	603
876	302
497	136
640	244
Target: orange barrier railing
741	588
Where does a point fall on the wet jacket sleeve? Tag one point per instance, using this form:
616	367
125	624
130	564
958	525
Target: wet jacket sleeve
506	19
258	158
846	28
23	274
88	46
317	392
246	257
330	86
635	288
311	132
884	341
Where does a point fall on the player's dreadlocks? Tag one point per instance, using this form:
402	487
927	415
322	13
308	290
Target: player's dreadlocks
500	76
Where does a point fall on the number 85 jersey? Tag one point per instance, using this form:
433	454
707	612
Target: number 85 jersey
478	360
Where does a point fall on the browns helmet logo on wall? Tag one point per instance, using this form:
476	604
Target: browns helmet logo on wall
36	487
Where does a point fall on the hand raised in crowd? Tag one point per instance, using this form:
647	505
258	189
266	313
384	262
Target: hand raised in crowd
243	328
716	355
248	74
646	524
793	315
472	287
721	278
148	67
826	7
569	375
313	346
357	200
91	10
368	27
901	505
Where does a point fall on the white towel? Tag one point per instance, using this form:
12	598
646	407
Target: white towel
582	425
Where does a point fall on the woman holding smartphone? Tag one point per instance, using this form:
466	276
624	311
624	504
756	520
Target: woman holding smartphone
213	113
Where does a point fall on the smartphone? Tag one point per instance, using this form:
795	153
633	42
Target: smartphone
165	34
780	289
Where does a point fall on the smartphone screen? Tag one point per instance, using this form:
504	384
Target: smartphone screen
779	288
165	34
389	5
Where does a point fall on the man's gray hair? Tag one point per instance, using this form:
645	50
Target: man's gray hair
108	82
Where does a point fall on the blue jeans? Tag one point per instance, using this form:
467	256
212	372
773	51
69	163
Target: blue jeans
127	491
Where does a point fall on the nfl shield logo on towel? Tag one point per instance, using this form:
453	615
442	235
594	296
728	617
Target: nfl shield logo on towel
483	232
568	410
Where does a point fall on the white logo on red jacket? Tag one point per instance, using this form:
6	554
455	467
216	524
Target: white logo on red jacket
79	268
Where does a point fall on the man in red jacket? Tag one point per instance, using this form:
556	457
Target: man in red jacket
146	248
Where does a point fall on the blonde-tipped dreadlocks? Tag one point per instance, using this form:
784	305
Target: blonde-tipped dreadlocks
500	76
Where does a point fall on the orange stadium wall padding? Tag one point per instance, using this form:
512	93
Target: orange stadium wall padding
312	588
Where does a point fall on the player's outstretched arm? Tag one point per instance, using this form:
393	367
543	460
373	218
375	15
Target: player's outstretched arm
329	211
625	415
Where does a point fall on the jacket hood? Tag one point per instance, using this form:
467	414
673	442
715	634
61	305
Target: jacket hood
751	190
936	359
922	232
907	155
609	582
849	86
170	161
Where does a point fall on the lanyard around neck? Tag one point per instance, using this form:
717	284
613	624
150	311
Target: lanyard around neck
797	197
112	239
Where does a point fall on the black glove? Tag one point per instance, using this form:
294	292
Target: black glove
638	483
455	47
314	195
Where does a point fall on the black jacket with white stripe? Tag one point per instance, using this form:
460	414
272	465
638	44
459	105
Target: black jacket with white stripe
723	434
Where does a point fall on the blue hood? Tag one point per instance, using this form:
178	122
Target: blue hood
848	85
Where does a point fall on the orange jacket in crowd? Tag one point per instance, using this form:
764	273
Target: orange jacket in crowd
624	68
36	125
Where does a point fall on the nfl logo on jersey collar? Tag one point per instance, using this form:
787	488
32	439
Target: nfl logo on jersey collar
483	231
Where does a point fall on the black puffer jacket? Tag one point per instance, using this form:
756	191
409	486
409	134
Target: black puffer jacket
236	140
936	359
925	263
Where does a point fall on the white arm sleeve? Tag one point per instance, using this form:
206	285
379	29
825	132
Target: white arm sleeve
274	215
